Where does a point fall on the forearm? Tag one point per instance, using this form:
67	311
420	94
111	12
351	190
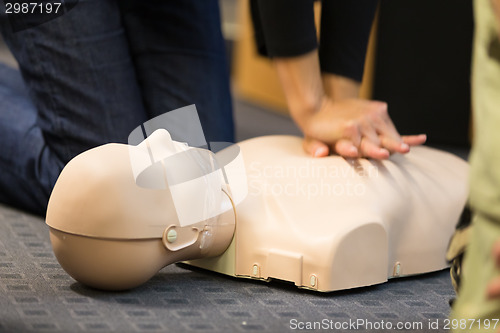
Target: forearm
302	84
339	87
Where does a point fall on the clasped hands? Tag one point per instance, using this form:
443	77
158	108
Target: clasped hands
326	108
354	128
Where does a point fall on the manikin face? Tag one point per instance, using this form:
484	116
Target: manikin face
119	213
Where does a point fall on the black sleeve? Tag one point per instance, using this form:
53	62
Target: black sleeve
345	29
284	28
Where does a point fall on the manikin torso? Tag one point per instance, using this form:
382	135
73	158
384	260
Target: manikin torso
331	223
322	223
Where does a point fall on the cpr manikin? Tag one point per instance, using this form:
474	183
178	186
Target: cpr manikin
119	213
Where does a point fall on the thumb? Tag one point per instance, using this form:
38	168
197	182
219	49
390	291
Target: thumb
315	147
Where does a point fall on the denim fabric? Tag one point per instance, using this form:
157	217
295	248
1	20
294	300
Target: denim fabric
94	74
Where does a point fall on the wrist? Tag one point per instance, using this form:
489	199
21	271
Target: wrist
309	102
339	87
300	78
310	119
304	109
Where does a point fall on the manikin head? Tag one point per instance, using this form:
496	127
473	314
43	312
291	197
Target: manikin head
119	213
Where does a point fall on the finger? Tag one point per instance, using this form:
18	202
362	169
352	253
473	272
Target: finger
352	132
496	253
369	149
383	124
315	147
414	140
493	289
394	146
369	133
346	148
388	122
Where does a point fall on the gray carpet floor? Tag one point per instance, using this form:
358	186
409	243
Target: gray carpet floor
36	295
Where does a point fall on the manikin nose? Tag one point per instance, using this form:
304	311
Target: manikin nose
191	176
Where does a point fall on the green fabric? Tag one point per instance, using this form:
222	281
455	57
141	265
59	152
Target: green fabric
479	268
485	158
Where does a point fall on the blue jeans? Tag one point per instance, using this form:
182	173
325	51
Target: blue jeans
94	74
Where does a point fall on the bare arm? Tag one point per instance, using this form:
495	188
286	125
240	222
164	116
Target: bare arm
331	119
